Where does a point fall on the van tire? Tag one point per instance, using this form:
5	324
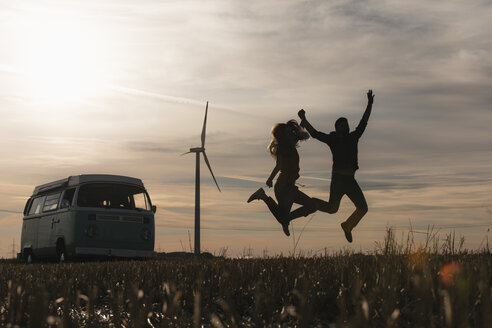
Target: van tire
28	255
60	250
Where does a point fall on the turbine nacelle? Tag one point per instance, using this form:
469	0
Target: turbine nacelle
201	149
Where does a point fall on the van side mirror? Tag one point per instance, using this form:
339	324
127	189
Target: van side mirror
154	208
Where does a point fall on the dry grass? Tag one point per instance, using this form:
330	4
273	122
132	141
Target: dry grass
397	286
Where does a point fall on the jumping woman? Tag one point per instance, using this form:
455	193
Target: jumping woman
285	139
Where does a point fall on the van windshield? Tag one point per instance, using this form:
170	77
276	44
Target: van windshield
111	195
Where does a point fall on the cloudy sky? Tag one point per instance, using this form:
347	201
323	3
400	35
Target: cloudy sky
120	87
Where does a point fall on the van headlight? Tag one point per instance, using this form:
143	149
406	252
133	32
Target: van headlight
145	234
91	231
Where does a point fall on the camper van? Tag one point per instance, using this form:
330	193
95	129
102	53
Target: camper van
88	215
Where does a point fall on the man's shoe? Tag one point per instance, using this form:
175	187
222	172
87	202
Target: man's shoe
259	194
285	227
348	233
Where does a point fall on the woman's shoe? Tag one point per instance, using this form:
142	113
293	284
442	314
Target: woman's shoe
259	194
285	227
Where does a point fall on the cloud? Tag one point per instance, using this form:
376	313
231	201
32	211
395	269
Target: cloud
8	69
143	93
9	211
141	146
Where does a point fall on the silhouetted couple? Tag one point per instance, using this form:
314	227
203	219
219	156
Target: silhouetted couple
343	146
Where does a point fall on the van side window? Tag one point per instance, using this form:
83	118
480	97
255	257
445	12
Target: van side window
51	202
67	198
36	205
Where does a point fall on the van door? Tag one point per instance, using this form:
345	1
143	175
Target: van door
31	223
62	225
47	222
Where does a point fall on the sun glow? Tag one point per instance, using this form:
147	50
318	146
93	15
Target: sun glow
63	61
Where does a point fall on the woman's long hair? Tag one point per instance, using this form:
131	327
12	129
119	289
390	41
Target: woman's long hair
280	132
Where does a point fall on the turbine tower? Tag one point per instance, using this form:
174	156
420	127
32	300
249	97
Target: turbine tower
197	151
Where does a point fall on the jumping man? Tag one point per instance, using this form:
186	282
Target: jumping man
343	146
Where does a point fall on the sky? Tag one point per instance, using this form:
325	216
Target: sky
120	87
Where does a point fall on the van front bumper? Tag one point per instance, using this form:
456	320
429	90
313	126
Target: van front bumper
116	252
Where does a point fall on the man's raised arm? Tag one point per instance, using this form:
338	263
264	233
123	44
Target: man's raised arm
312	131
363	122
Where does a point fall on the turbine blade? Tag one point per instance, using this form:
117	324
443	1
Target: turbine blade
188	152
204	126
210	168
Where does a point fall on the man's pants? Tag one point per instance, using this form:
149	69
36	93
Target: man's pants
344	185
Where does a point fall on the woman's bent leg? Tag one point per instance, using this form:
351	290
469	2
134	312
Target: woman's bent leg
285	193
308	206
273	207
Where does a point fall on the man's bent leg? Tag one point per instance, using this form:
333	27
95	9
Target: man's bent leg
336	194
323	206
354	218
357	197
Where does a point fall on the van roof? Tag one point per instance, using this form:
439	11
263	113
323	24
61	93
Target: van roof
84	178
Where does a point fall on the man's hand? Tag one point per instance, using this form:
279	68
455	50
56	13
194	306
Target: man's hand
269	182
370	96
302	114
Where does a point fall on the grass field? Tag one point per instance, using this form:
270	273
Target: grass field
394	287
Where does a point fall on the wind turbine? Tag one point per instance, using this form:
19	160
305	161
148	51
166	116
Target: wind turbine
197	151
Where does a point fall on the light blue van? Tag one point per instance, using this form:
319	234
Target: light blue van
88	215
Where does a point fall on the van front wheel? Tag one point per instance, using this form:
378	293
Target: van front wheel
28	257
60	250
